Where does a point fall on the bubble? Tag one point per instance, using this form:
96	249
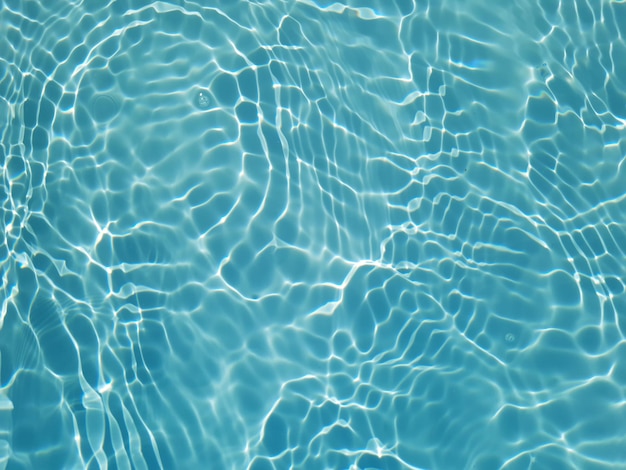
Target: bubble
202	100
544	71
104	108
509	337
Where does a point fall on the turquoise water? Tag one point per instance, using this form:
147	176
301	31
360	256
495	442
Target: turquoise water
313	234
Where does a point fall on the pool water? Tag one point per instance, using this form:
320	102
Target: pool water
313	234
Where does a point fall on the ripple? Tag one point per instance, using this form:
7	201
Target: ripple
312	234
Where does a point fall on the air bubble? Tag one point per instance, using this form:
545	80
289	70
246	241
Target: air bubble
544	71
104	108
202	100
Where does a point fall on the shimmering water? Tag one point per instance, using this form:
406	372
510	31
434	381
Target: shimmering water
313	234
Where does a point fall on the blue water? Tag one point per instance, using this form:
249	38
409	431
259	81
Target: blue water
313	234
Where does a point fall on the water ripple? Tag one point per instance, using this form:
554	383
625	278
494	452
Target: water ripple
312	234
